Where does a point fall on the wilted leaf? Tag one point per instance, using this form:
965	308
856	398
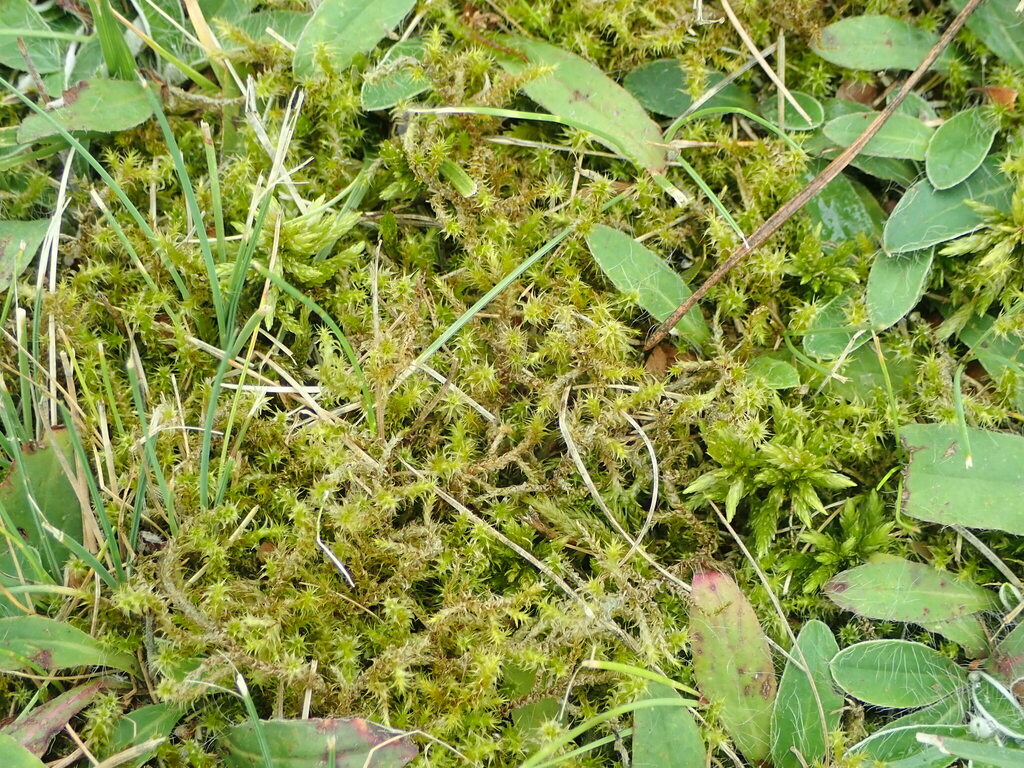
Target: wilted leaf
731	661
901	136
98	105
666	736
876	42
306	743
13	258
578	91
896	673
805	698
397	78
958	147
662	87
895	285
1000	26
940	488
36	730
926	216
899	590
633	268
31	643
344	28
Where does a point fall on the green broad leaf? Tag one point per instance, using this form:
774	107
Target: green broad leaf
666	736
634	269
341	29
941	488
36	480
793	120
903	172
33	643
865	377
896	673
969	632
842	209
915	105
958	147
988	755
286	24
948	711
997	705
876	42
1006	663
663	87
927	216
773	373
731	662
830	335
1000	26
37	729
999	355
19	243
398	78
582	95
47	54
899	590
808	707
899	746
341	742
154	721
895	284
98	105
901	136
16	756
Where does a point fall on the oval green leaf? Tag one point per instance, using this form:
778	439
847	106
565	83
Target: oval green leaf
927	216
304	743
793	120
731	661
900	744
659	289
154	721
899	590
663	87
958	147
798	723
47	54
830	334
31	643
343	28
14	258
999	354
773	373
896	673
664	736
98	105
397	78
895	284
1000	26
941	488
901	136
16	756
844	208
585	97
876	42
980	754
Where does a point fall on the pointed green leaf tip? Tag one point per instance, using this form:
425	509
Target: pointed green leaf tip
731	661
659	289
581	94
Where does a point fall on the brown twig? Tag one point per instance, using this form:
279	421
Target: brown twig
832	170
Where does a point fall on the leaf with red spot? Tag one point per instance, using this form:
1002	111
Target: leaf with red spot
731	661
36	643
350	742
